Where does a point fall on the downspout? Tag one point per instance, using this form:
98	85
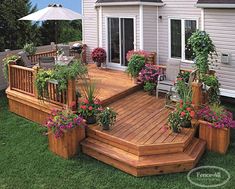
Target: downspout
83	23
157	36
202	19
141	13
100	26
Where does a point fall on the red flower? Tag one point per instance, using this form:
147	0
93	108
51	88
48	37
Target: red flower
192	114
181	101
86	101
188	109
90	108
73	104
83	107
182	114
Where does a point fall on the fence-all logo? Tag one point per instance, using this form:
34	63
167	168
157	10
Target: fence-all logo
208	176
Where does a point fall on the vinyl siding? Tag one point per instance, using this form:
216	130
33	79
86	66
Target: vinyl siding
220	24
120	11
150	28
174	9
90	26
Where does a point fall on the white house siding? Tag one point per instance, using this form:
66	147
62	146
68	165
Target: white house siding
120	11
174	9
220	24
150	28
90	24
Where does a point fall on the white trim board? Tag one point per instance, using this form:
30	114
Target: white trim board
211	5
227	93
129	3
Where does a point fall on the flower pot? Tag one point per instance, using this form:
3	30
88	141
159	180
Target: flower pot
98	64
106	127
175	130
91	120
217	139
152	93
66	146
186	124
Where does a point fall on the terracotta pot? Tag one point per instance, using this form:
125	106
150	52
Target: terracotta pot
218	139
91	120
66	146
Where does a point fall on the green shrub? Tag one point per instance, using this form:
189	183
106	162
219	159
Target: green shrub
6	62
135	65
30	48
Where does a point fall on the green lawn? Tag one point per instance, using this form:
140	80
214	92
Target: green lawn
25	162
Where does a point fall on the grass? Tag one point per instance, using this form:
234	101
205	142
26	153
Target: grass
26	162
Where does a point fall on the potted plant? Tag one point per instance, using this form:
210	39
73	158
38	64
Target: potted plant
90	106
30	48
131	53
106	118
65	132
98	55
215	123
186	112
135	65
149	77
174	122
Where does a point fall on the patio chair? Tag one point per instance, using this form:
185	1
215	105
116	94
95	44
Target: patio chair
25	60
46	62
166	82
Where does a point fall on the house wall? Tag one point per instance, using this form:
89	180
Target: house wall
90	24
150	28
220	24
174	9
120	11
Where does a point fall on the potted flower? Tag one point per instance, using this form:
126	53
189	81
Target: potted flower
149	77
131	53
106	118
89	110
90	106
215	123
65	132
174	122
98	55
186	112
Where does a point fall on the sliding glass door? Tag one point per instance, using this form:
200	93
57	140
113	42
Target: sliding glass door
120	39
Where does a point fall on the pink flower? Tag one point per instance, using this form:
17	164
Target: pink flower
83	107
182	114
90	108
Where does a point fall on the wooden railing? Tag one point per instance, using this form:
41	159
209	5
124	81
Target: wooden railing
35	58
22	79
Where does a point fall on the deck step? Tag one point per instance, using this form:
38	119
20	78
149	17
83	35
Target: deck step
145	165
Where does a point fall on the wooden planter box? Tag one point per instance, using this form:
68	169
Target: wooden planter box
218	139
68	145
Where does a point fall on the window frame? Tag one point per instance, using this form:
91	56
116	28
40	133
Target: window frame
182	59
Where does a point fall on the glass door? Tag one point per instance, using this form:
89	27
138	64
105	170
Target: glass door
120	39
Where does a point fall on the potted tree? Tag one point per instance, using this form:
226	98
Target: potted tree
106	118
215	123
98	55
65	132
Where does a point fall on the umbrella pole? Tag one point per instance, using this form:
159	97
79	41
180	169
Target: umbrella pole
56	39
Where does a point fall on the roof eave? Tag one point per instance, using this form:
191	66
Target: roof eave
215	6
129	3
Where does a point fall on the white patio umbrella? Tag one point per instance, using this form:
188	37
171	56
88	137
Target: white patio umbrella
54	12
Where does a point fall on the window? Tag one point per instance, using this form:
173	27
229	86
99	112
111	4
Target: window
180	31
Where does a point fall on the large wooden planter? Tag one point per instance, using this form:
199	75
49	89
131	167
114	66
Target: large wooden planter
68	145
217	139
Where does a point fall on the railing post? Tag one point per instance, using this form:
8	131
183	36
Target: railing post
71	93
197	95
9	74
83	58
35	71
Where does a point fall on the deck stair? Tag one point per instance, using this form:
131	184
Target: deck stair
137	144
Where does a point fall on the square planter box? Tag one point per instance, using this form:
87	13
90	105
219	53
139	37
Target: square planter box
68	145
217	139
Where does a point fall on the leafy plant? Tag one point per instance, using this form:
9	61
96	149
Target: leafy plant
62	120
203	49
89	108
186	111
61	74
184	75
185	93
6	62
216	116
148	86
106	118
213	92
174	122
30	48
135	65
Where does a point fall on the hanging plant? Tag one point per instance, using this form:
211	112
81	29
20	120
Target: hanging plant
6	62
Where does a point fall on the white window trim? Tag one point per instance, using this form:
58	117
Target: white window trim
182	59
111	64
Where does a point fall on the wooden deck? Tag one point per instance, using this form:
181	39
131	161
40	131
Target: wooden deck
112	84
138	144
